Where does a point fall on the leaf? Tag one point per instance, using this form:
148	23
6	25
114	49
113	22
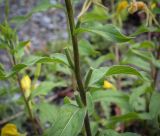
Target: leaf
135	100
45	87
123	69
97	14
144	29
86	49
129	117
98	74
143	54
1	1
90	104
69	122
56	58
110	96
47	113
109	32
132	59
154	106
94	128
95	63
110	132
42	6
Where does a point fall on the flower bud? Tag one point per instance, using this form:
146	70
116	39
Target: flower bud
26	85
107	85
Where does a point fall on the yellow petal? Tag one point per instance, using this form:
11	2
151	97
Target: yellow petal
122	5
107	85
133	7
26	83
10	130
153	5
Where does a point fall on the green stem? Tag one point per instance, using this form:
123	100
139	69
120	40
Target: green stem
25	99
77	63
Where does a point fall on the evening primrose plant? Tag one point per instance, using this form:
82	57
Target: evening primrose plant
88	91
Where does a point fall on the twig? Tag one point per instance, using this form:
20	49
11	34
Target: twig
11	117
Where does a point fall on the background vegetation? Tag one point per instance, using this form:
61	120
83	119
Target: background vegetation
79	68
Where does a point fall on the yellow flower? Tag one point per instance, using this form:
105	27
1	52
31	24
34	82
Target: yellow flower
26	85
133	7
107	85
136	6
122	5
28	47
9	130
153	5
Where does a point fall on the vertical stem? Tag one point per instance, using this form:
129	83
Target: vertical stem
117	53
156	70
77	63
25	99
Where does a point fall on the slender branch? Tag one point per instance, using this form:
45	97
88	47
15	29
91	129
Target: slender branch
11	117
77	62
156	70
25	99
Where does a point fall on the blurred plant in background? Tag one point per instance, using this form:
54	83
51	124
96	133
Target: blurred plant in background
93	72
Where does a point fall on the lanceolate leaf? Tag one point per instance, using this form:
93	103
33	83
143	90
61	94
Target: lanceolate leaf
57	58
114	133
98	74
154	106
43	5
110	96
109	32
122	69
144	29
45	87
69	122
129	117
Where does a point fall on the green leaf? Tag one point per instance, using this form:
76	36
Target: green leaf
86	49
1	1
154	106
144	29
134	60
42	6
94	128
114	133
97	14
56	58
123	69
95	63
90	104
98	74
109	32
129	117
111	96
45	87
136	100
69	122
47	113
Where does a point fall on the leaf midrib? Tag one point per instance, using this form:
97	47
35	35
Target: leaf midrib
69	121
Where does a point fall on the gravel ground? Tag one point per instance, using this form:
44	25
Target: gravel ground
42	27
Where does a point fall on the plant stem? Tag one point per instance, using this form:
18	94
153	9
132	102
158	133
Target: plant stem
77	63
25	99
156	70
